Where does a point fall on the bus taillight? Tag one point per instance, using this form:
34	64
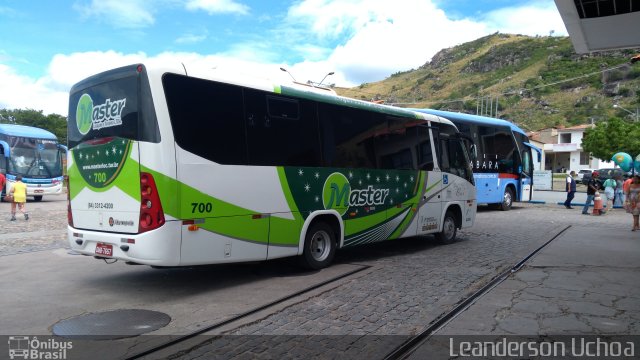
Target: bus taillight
151	214
69	214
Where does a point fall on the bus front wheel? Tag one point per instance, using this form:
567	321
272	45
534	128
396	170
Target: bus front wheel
319	246
507	200
449	229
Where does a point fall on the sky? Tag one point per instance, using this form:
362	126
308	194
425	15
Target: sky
47	46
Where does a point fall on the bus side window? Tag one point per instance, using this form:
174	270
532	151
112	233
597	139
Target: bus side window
526	161
347	136
424	151
444	155
454	158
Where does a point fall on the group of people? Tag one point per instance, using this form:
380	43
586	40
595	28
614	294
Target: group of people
616	192
17	195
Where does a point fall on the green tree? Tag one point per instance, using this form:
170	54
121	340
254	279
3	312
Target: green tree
613	136
55	123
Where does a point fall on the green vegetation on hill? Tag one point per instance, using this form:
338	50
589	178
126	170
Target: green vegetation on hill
536	82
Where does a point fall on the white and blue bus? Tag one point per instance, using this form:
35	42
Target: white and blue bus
503	167
177	165
34	154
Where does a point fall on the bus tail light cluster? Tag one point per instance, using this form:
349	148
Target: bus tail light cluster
151	214
69	214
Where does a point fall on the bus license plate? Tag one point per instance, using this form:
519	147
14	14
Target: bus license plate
38	191
104	249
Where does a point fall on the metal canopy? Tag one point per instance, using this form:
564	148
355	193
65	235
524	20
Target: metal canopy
597	25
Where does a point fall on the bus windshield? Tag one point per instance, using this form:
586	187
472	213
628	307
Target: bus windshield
34	158
116	104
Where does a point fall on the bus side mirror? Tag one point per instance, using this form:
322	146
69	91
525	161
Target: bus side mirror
473	150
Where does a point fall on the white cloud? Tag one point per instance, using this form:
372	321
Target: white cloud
50	93
379	37
538	18
218	6
20	92
190	39
127	14
360	40
382	37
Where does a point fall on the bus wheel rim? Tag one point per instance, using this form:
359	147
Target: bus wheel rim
320	245
449	228
507	198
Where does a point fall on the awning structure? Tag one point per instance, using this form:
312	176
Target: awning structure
598	25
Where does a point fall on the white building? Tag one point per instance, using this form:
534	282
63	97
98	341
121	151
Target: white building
562	150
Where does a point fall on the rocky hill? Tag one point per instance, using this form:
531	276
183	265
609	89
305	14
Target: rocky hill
536	82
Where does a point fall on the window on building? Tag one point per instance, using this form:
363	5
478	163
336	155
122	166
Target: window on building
584	158
565	138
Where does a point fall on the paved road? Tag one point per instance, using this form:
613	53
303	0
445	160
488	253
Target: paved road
46	228
412	283
409	284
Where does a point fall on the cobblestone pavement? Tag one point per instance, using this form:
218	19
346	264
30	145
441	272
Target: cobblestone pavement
45	229
413	282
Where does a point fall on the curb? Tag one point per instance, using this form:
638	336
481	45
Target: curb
591	205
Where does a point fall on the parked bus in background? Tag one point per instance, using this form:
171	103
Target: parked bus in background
36	155
503	169
173	166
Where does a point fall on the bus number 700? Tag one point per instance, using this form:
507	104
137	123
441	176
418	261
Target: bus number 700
201	207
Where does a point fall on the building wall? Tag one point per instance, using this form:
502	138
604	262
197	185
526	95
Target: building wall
558	153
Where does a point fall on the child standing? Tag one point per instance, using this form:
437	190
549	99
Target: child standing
19	191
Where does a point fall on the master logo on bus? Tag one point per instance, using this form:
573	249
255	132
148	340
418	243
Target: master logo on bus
100	116
337	194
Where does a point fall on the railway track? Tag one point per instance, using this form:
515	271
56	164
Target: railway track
388	347
406	349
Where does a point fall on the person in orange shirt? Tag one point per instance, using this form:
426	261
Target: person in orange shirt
19	192
626	184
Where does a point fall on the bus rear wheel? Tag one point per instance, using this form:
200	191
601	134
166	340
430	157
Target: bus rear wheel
319	246
449	229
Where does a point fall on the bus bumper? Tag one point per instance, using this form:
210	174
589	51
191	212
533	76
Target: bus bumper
160	247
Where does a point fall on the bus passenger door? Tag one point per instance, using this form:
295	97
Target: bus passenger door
526	175
430	203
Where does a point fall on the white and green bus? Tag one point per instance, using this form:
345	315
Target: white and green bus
176	166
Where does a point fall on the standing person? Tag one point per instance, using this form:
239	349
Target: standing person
19	192
609	193
626	184
571	189
619	193
3	180
592	186
632	204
